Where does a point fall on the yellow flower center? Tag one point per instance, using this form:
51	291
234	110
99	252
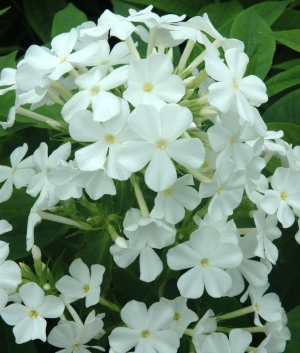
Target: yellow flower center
33	314
257	307
221	188
232	141
236	85
86	288
176	317
162	144
205	164
148	87
145	334
110	139
168	192
283	196
204	262
95	90
76	346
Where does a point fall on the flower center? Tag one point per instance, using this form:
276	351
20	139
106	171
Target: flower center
145	334
33	314
86	288
162	144
232	141
148	87
236	85
220	191
168	192
257	307
62	60
205	164
283	196
95	90
76	346
176	317
110	139
204	262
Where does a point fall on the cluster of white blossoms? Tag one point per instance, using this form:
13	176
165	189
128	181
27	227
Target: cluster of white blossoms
165	128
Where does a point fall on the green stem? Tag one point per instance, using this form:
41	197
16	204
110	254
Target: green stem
244	231
132	48
236	313
108	304
140	198
189	332
59	219
185	55
74	73
254	329
199	176
74	314
151	41
54	98
38	117
268	156
66	94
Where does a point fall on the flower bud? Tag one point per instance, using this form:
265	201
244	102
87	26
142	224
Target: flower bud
36	253
46	287
27	273
121	243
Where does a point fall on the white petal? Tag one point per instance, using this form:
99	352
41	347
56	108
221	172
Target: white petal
150	264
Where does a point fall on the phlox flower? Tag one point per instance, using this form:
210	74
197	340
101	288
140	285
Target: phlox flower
82	284
150	81
28	319
145	329
206	325
159	132
206	258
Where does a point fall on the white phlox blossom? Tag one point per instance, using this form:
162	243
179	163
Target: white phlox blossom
183	316
60	59
226	190
86	40
145	329
171	203
207	258
94	85
83	283
160	132
285	194
29	319
279	327
150	81
8	78
10	273
73	337
206	325
246	92
18	175
40	183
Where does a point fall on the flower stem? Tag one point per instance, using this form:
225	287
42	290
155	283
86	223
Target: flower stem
268	156
35	116
200	78
66	94
108	304
151	41
199	176
244	231
54	98
132	48
254	329
189	332
74	314
140	198
185	55
60	219
236	313
251	349
74	73
161	48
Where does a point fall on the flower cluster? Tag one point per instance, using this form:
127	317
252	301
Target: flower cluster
193	136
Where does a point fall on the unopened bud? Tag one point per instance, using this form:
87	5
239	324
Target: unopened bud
121	243
154	51
36	253
46	287
27	273
188	93
203	100
43	266
187	82
207	111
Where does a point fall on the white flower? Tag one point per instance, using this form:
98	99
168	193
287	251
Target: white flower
247	92
82	284
73	337
151	81
183	316
160	132
207	258
18	174
28	319
145	329
207	324
285	194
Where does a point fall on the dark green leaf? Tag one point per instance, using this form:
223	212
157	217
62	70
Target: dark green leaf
290	19
66	19
283	81
271	10
286	109
16	127
40	15
4	10
58	268
289	38
293	346
287	64
291	131
247	27
221	13
8	60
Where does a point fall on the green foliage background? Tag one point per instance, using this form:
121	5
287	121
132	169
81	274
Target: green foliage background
271	33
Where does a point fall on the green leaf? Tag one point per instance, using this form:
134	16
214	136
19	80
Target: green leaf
247	27
287	64
4	10
271	10
283	81
291	131
96	251
293	346
178	7
16	127
8	344
121	8
8	60
289	38
58	268
40	15
16	211
286	109
66	19
289	19
221	13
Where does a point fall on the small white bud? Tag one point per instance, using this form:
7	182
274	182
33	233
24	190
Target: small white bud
203	100
46	287
188	81
121	243
36	253
208	111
